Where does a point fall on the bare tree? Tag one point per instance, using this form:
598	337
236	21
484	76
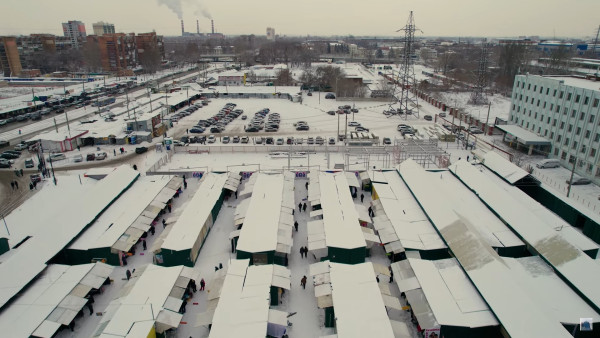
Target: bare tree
91	56
151	59
284	78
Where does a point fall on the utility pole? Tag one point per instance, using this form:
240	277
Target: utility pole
572	174
487	119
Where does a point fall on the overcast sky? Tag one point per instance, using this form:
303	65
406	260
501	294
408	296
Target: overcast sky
491	18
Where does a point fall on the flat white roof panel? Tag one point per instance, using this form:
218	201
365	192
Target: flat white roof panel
259	233
189	225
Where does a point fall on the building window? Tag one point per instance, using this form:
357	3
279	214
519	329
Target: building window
555	151
558	138
518	109
520	97
591	120
535	117
593	152
527	125
560	96
548	120
529	86
571	159
567	141
565	111
583	149
551	135
570	128
513	107
523	85
539	129
596	102
554	94
577	98
573	113
574	145
538	103
551	106
597	137
586	100
545	132
578	131
587	134
569	96
563	156
589	168
532	100
547	91
544	105
562	125
597	172
534	88
541	89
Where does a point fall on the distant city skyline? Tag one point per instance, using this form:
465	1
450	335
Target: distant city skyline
464	18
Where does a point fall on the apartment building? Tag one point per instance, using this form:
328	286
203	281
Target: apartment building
566	111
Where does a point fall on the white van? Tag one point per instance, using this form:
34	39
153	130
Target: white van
548	163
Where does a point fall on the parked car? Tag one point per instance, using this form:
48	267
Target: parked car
319	140
29	163
5	163
442	114
244	139
269	140
361	129
56	157
4	143
211	139
353	124
244	117
235	139
102	155
427	118
386	140
258	140
302	127
331	112
330	96
280	141
310	140
577	180
226	139
21	146
197	130
141	150
90	157
548	163
332	140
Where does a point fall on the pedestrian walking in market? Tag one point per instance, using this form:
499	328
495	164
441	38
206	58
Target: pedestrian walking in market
362	197
304	207
296	225
300	207
202	284
30	186
144	244
306	185
301	252
12	185
115	152
193	285
185	185
164	223
128	274
16	185
303	282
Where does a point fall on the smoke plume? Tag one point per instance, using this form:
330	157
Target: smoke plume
174	5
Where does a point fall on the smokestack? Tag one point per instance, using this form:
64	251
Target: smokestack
212	24
197	27
182	31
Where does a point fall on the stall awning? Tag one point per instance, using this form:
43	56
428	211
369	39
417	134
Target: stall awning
363	213
167	319
352	179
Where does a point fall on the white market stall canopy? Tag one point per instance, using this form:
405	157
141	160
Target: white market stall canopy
267	225
449	295
509	301
123	224
233	181
152	295
197	215
83	207
398	216
357	300
569	261
243	302
53	300
510	172
340	219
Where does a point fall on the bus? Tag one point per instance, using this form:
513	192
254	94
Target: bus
103	101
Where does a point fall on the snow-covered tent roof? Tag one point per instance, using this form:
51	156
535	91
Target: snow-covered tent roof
399	217
569	261
243	301
151	298
449	294
188	227
62	222
340	218
269	219
52	300
462	200
358	302
248	187
352	179
510	172
123	223
233	181
490	275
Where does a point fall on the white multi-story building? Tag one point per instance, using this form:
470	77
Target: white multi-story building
74	30
232	78
101	28
564	110
270	33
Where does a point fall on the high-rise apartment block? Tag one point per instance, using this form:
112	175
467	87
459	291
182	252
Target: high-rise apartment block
270	33
75	30
101	28
10	63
